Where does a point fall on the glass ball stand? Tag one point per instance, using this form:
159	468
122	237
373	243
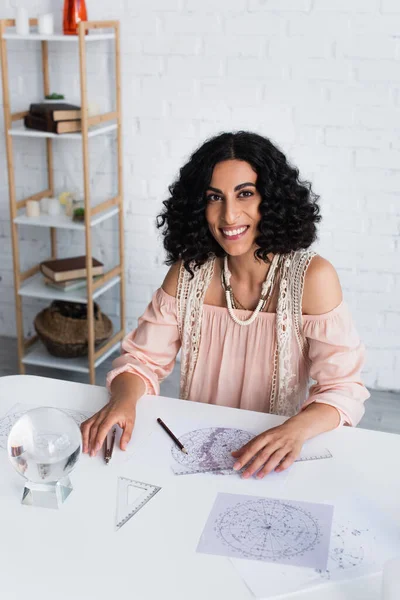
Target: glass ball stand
44	446
50	495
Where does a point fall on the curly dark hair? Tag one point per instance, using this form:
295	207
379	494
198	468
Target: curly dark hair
289	208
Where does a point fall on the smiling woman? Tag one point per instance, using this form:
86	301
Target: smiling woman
287	209
255	313
233	215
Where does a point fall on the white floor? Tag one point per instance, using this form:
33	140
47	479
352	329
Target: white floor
382	409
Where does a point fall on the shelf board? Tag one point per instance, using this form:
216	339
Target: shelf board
58	37
39	356
34	287
64	222
22	131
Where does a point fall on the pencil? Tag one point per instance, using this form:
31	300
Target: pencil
171	435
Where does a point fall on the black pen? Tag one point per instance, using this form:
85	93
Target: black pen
108	451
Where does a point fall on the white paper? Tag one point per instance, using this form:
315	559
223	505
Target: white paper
391	580
209	445
362	540
208	450
269	530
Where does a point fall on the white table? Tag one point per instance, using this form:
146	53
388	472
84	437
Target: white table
75	552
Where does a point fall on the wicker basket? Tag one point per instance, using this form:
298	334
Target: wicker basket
63	328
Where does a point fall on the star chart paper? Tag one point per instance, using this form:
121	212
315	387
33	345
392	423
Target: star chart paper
209	450
268	529
362	540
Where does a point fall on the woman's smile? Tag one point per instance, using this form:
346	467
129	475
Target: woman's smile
234	233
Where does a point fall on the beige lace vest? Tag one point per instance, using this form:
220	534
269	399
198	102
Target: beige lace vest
289	387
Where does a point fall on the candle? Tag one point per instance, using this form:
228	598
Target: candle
22	21
32	208
46	24
93	109
53	207
44	205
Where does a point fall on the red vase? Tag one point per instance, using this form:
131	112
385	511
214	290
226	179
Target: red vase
74	13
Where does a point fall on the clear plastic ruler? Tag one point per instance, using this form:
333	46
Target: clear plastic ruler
316	455
131	497
306	454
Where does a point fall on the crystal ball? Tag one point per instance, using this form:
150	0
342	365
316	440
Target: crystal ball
44	445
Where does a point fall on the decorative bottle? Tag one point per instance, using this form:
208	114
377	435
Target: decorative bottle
74	13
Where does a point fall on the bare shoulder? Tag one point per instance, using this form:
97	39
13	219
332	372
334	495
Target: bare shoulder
322	290
170	283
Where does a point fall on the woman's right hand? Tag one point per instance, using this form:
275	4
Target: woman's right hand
126	389
121	411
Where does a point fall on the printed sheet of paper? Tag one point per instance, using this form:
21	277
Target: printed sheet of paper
209	446
268	529
154	459
362	540
16	411
209	450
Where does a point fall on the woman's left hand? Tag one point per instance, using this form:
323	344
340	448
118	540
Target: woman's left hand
275	449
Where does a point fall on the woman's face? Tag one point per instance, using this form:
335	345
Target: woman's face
232	206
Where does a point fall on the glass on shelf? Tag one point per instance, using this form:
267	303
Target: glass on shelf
69	200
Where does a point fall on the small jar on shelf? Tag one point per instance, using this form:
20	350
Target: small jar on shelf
69	200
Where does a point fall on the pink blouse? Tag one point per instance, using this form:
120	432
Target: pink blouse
234	365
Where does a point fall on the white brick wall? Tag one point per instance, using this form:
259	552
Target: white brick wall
320	77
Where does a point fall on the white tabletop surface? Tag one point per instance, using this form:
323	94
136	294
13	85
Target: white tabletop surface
76	553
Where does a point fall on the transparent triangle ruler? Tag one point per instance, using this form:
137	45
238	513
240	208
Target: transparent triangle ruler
131	497
309	455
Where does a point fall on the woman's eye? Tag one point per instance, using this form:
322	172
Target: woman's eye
213	198
245	194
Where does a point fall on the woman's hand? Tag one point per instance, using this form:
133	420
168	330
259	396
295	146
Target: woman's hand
119	411
126	389
275	449
279	447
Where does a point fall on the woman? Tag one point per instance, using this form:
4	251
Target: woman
255	313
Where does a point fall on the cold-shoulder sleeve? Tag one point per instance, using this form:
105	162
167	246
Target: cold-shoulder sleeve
150	350
337	357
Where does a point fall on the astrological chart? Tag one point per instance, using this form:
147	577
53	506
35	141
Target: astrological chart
362	540
8	420
269	529
209	450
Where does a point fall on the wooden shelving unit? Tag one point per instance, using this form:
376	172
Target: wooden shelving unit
29	283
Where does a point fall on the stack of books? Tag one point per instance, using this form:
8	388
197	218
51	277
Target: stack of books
54	117
67	274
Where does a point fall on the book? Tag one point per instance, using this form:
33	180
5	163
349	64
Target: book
42	124
55	111
68	285
64	269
